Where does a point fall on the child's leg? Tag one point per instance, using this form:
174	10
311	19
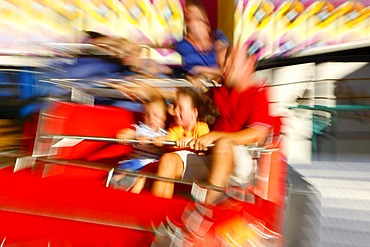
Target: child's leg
139	185
124	181
170	166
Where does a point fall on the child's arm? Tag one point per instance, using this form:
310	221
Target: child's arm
126	134
173	135
158	141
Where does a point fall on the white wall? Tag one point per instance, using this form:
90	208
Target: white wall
313	84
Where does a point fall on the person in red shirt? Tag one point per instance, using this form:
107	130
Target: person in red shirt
244	119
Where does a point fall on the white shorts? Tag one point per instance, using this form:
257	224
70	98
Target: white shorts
184	157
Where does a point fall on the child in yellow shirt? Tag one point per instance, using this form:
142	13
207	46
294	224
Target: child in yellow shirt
192	114
189	113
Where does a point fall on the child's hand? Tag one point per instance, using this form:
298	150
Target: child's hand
122	138
183	143
158	141
142	139
125	135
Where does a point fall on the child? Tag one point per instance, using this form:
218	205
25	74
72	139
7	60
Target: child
192	114
154	118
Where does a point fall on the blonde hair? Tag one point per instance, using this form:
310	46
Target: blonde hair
157	99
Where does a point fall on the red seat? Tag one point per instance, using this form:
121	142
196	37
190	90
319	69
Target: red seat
83	120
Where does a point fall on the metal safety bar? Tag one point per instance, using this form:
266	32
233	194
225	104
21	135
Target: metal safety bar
105	139
252	148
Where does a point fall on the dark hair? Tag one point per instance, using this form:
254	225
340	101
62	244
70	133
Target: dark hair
207	110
